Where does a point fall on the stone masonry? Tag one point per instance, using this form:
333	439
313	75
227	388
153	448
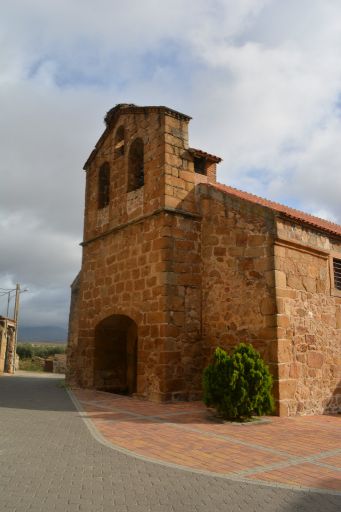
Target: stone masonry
175	264
7	345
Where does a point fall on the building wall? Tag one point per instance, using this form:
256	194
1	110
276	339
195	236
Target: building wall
7	344
120	275
71	352
197	268
141	258
3	345
183	355
309	322
238	294
124	207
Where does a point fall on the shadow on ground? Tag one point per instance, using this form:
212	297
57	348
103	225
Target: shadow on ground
37	393
313	501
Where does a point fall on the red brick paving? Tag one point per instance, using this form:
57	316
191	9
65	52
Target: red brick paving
301	451
333	461
306	475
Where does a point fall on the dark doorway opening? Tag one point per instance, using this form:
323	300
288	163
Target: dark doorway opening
115	363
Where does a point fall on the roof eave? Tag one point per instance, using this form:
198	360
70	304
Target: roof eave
204	154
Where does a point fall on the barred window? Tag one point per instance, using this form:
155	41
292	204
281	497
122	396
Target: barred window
104	185
337	273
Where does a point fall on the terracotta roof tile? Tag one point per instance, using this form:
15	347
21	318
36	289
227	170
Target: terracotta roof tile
292	213
209	156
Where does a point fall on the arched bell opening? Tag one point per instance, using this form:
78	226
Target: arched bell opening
136	165
115	362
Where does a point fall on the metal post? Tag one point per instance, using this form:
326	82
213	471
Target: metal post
8	301
6	365
16	315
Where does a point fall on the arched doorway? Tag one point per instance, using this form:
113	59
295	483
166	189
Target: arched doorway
115	362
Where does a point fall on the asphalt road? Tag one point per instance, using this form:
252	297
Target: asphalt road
51	462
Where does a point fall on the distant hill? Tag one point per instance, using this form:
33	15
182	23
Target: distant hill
42	333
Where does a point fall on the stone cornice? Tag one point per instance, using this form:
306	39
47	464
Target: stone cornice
284	242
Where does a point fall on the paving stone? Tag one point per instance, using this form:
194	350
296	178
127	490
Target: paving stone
289	451
50	462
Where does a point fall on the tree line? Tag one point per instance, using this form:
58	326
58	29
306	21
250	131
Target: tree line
28	350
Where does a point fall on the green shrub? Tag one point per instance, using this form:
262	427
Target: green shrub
48	350
238	385
30	365
28	350
25	350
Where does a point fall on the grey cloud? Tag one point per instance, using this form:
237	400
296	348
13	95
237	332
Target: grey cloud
261	93
36	255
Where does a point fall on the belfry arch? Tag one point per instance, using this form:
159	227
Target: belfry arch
115	357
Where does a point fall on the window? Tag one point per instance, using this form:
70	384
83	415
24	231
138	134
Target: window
104	185
119	142
136	165
200	165
337	273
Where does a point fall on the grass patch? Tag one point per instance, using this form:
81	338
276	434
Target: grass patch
62	384
28	365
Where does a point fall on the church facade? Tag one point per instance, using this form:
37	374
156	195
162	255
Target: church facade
175	264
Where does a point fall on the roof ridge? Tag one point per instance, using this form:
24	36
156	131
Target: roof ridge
132	107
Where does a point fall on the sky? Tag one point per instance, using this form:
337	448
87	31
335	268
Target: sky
261	79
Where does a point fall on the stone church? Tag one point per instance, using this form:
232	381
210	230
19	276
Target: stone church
175	264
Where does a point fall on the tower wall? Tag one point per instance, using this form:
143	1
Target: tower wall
141	257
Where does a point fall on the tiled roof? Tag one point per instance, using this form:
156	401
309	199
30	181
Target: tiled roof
291	213
203	154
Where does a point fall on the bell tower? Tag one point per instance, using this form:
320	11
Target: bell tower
135	167
136	316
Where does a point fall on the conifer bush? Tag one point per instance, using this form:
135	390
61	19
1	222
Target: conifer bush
239	385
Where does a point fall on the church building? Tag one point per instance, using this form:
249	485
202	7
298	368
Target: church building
175	264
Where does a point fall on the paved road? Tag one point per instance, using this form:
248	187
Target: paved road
50	462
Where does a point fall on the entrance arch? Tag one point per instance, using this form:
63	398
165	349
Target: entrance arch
115	361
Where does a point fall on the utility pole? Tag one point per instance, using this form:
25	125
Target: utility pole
16	315
8	301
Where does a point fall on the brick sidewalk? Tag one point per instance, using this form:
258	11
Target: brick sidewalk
302	451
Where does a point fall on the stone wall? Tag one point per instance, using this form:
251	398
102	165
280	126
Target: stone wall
121	275
71	351
189	267
7	345
182	357
125	207
3	344
59	363
143	261
238	294
309	322
150	272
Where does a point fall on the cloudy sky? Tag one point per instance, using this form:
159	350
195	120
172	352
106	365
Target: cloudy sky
261	79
